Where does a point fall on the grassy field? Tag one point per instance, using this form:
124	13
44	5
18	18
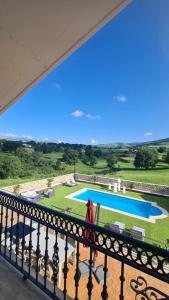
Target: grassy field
156	234
125	170
159	175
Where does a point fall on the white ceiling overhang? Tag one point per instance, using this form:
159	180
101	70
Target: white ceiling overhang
37	35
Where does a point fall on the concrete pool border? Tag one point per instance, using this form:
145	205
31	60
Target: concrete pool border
151	219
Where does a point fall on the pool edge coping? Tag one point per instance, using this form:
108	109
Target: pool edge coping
151	219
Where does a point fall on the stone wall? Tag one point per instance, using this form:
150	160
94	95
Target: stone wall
39	185
155	189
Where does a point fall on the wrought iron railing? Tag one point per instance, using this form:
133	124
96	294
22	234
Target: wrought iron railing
47	247
156	242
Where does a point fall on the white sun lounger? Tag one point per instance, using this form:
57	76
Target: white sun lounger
70	182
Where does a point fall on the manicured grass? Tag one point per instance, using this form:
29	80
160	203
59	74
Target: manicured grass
157	232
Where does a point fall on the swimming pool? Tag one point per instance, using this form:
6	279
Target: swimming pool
141	209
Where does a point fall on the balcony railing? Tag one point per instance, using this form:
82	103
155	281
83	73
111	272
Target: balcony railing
50	248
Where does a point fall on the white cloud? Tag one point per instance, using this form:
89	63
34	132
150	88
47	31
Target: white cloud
77	114
8	135
93	141
13	136
148	133
60	141
16	137
93	117
29	137
120	98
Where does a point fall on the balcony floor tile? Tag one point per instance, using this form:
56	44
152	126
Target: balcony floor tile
13	287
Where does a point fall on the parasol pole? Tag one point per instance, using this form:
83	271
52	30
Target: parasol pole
97	214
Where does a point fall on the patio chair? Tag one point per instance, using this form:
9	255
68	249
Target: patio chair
117	227
73	181
49	193
137	233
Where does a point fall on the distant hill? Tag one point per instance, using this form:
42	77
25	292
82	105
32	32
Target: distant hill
161	142
117	145
157	142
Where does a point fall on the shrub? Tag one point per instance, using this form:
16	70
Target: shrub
16	189
49	183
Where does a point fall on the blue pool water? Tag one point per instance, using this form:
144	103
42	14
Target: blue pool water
124	204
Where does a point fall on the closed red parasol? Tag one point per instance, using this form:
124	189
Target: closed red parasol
89	234
90	212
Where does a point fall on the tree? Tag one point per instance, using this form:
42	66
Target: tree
70	156
36	158
98	153
45	166
25	155
167	157
162	149
10	146
92	161
139	159
89	151
58	164
10	167
81	153
111	161
146	158
89	160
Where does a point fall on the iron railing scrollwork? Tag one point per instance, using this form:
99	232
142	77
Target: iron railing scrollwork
145	292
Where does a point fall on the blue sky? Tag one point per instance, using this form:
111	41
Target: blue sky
115	88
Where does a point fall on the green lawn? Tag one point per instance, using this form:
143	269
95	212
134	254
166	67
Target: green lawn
157	232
